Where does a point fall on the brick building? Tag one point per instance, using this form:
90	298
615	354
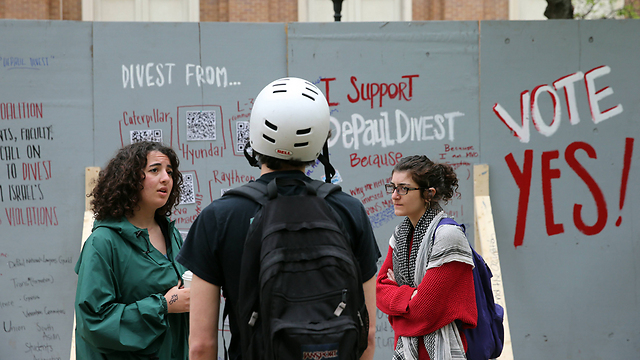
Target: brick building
274	10
263	10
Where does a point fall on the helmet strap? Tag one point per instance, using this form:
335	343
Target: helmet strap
251	158
329	170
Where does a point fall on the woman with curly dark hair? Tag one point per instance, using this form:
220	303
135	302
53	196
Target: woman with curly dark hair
425	284
130	303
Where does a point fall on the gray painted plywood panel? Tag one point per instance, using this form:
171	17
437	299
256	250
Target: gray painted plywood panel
435	113
190	86
46	140
141	73
569	271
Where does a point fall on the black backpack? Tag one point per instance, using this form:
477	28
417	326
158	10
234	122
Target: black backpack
301	294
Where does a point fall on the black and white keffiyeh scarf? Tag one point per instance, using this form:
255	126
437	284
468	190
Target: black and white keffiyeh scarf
410	266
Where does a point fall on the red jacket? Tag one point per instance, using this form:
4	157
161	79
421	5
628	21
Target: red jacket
445	294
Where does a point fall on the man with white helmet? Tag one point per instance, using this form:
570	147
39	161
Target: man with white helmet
289	127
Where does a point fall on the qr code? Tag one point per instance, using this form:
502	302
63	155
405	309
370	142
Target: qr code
146	135
186	190
201	125
242	135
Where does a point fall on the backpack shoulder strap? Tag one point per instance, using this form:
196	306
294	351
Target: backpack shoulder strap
323	189
261	193
253	190
447	221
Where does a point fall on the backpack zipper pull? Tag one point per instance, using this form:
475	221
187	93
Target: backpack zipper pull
254	318
342	304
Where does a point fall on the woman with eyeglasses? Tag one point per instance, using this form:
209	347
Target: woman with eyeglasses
425	284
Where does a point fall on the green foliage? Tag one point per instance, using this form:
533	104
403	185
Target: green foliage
603	9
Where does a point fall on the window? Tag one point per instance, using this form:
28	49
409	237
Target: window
355	10
141	10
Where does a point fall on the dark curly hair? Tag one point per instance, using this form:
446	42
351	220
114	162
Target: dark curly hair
117	191
429	174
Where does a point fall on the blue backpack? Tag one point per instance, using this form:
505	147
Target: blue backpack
486	340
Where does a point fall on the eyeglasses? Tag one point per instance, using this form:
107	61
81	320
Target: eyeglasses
402	190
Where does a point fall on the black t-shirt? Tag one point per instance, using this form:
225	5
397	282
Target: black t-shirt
214	245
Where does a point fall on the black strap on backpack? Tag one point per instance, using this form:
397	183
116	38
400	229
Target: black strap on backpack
261	193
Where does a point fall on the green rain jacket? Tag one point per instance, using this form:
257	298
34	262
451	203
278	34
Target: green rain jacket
120	306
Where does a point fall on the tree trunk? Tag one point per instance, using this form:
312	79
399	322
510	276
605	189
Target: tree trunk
559	9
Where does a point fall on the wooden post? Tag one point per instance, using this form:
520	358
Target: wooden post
90	177
487	246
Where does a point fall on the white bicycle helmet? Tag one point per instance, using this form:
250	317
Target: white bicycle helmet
289	120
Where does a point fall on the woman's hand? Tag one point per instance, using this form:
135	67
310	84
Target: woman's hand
178	299
390	275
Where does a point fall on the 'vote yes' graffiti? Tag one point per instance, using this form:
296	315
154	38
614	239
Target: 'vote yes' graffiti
522	175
